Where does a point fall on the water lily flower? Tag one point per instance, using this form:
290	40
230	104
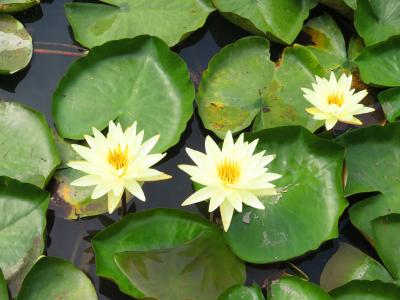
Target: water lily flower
231	176
117	162
335	100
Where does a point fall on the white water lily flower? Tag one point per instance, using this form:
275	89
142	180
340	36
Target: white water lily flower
336	101
231	176
117	162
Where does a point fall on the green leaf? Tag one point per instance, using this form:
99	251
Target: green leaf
311	186
372	157
351	3
199	269
390	102
10	6
28	152
284	103
231	90
344	7
356	46
378	63
155	231
367	290
137	79
55	278
294	288
242	292
348	264
281	20
22	223
377	20
3	287
15	46
387	242
94	24
328	42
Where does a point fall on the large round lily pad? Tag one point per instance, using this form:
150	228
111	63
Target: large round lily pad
372	157
348	264
9	6
94	24
15	45
294	288
377	20
55	278
307	210
28	152
134	79
367	290
281	20
165	235
22	223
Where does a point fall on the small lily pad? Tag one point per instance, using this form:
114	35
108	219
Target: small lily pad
390	101
94	24
15	45
292	287
55	278
367	290
10	6
243	292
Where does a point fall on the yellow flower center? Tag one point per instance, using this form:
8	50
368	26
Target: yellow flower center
118	158
229	171
336	98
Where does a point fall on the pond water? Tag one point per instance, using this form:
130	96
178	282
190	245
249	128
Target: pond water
34	87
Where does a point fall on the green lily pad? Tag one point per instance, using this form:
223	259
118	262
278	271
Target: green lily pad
156	231
231	90
390	102
377	20
379	63
94	24
134	79
199	269
344	7
348	264
294	288
372	157
328	42
22	223
10	6
55	278
3	287
311	193
387	242
356	46
367	290
284	103
28	151
243	292
15	45
280	20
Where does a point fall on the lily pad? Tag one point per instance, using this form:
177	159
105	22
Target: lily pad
372	157
22	223
390	101
199	269
55	278
232	89
377	20
367	290
348	264
161	231
387	241
3	287
243	292
94	24
10	6
286	228
291	288
15	45
134	79
344	7
28	151
281	20
379	63
328	42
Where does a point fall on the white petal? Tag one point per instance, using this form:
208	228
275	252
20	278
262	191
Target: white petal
85	167
200	159
152	159
152	175
113	201
100	190
87	180
251	200
212	149
329	123
135	189
215	201
226	210
149	145
85	152
228	143
201	195
236	201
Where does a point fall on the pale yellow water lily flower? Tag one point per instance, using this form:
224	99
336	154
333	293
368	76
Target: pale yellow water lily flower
335	100
117	162
231	176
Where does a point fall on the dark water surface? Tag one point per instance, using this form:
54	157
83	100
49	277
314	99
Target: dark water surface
35	86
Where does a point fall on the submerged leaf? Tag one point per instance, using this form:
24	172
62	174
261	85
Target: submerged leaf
10	6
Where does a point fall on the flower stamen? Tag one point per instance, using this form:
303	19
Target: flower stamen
336	98
117	158
228	171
